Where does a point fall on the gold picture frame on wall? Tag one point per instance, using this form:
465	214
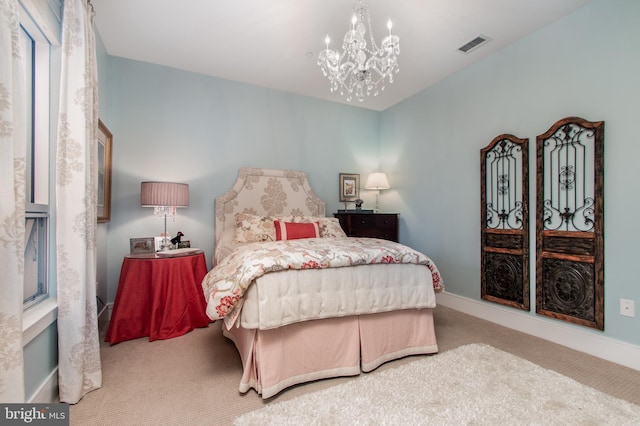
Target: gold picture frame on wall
105	141
349	186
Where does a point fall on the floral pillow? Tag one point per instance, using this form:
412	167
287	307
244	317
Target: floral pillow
251	228
330	228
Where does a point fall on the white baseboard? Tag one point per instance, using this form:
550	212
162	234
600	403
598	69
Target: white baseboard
48	390
586	341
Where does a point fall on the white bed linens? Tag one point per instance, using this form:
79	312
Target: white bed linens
225	285
290	296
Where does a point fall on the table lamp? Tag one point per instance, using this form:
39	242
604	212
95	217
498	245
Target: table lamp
164	197
377	181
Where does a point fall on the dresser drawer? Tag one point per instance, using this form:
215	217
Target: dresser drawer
387	221
362	221
371	225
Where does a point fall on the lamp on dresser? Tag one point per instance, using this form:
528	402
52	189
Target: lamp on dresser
164	197
377	181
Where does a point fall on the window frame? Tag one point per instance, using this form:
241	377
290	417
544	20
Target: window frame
38	154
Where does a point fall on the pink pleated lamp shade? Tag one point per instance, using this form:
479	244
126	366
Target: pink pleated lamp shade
168	194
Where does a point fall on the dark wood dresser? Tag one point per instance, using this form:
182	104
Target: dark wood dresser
373	225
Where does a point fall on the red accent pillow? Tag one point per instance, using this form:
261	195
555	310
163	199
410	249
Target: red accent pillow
295	231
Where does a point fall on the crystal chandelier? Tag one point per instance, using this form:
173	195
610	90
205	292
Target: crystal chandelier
360	69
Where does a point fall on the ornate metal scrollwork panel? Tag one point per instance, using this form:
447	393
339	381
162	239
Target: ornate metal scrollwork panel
567	290
503	277
570	222
505	221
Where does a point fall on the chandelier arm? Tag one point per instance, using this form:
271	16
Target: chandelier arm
376	64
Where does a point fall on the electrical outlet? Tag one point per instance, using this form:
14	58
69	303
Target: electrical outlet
627	308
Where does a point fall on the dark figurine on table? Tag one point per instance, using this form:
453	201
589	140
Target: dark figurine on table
175	240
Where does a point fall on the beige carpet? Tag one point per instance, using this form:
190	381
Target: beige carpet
473	384
193	379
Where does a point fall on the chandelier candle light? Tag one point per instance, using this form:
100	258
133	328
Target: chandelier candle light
360	70
164	197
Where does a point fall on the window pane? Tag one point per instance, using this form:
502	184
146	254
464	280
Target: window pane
27	48
35	259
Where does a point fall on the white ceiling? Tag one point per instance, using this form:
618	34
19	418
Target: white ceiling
275	43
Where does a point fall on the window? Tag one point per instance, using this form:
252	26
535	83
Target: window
36	57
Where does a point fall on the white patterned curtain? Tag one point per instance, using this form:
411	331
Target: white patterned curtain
79	369
12	203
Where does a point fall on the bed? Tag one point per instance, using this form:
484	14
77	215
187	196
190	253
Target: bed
299	299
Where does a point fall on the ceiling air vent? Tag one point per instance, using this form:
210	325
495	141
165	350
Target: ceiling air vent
473	44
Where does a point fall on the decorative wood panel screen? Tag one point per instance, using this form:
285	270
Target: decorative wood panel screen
570	222
504	209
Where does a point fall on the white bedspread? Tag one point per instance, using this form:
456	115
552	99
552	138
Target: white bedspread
291	296
226	284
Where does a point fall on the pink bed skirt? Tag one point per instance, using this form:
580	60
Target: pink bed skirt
278	358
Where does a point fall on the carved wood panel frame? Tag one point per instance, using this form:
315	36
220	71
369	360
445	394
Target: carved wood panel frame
570	222
504	207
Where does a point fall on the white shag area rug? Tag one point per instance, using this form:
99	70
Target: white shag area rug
470	385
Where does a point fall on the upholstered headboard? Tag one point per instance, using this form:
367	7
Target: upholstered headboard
266	192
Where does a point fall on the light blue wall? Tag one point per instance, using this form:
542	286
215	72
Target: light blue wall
179	126
40	360
586	65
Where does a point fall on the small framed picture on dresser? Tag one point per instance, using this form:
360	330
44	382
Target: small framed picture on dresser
141	245
349	186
